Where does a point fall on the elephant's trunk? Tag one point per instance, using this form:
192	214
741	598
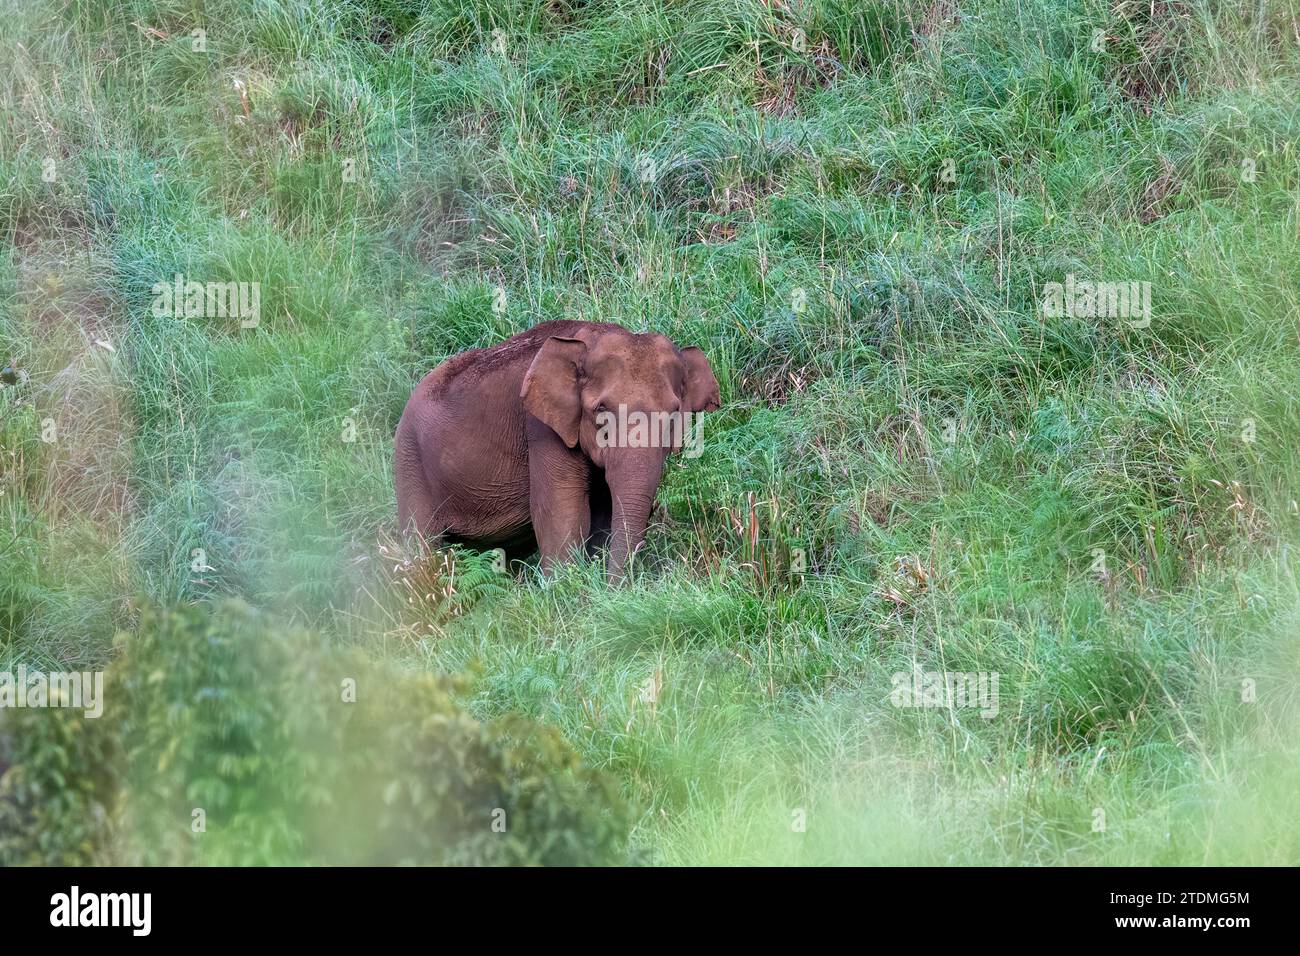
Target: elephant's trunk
633	482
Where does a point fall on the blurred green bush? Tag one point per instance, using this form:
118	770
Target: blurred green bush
228	740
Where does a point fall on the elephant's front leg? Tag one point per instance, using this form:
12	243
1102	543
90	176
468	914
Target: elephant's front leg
558	498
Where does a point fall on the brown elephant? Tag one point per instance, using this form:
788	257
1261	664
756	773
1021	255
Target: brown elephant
520	444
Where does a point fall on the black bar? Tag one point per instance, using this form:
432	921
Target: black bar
337	905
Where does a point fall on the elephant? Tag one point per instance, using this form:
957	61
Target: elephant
515	446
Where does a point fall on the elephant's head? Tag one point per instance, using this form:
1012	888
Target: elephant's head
627	400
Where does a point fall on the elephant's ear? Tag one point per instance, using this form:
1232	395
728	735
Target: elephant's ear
702	393
550	389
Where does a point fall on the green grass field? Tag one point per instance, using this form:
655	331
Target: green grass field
856	210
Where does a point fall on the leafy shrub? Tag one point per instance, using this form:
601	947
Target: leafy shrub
206	728
56	787
226	740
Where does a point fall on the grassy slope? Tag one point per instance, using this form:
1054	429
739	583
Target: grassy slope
896	406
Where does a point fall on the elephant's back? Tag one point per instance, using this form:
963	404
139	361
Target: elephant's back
515	354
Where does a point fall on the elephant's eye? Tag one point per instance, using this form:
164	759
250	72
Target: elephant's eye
601	409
